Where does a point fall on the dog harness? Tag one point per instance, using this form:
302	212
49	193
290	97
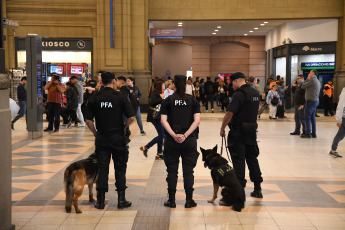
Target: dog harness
218	173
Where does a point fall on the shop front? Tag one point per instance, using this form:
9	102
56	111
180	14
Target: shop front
298	59
65	56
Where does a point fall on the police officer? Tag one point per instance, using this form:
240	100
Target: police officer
180	117
241	117
108	107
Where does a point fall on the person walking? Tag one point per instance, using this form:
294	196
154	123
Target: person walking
223	94
133	89
107	107
340	117
180	117
156	99
312	86
209	93
72	103
299	101
273	101
241	117
22	100
328	98
79	86
55	88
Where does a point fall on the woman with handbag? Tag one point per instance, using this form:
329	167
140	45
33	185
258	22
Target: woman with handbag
153	116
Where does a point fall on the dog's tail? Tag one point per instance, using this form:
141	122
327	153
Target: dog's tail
68	184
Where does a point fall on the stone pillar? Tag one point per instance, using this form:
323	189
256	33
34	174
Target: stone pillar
6	156
339	76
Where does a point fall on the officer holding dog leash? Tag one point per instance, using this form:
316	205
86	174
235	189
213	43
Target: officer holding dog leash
241	117
108	108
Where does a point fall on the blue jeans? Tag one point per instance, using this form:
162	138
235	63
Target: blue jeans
139	121
22	111
340	135
310	111
158	139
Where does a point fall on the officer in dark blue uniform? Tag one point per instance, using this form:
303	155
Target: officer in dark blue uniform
241	117
180	117
108	108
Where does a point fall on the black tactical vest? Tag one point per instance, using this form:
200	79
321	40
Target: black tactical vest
180	116
249	109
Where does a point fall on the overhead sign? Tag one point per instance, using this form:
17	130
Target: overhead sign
166	33
313	48
317	65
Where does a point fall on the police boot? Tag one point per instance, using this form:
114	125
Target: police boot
190	203
122	202
171	201
100	200
257	191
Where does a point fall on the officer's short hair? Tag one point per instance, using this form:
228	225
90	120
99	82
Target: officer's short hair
23	78
315	72
107	77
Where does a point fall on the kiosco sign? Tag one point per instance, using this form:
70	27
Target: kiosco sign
65	44
55	44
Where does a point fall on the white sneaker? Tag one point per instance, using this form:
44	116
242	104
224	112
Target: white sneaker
82	125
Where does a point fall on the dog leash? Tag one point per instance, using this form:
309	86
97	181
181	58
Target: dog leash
227	151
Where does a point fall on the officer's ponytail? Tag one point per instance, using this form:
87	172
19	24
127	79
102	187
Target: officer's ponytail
180	84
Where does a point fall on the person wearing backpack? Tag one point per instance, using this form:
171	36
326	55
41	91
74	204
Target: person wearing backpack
209	93
273	100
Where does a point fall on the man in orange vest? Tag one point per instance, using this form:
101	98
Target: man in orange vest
328	97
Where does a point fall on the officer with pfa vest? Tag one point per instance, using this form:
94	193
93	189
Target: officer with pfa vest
241	117
180	117
328	97
108	107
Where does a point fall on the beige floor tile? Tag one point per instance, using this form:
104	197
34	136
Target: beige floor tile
114	227
223	227
330	228
297	228
229	214
187	214
40	226
46	221
260	227
117	220
77	227
77	221
186	226
52	214
120	213
25	215
20	221
263	215
257	221
328	223
322	216
221	220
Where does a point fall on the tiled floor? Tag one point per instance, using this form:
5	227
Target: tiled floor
303	187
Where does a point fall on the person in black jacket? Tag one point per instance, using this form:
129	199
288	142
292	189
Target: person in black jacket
299	105
22	100
72	102
209	93
156	98
135	91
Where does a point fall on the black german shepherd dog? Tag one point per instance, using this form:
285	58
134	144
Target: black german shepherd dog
76	176
224	175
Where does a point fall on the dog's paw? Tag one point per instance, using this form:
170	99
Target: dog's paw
68	210
79	211
211	200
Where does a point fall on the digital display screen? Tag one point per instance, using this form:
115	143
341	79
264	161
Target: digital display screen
76	69
222	76
56	69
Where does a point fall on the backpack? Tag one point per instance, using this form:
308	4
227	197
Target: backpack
275	100
134	102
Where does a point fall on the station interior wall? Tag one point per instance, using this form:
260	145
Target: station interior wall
303	32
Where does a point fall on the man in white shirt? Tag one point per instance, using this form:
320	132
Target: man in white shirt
340	116
190	87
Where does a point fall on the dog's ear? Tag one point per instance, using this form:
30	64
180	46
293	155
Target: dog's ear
202	150
215	148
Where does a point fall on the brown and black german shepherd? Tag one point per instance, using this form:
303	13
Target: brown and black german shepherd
76	176
224	175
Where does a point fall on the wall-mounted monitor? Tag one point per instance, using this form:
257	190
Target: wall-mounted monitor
76	70
56	69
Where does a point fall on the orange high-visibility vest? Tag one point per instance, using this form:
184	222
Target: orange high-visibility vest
329	91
